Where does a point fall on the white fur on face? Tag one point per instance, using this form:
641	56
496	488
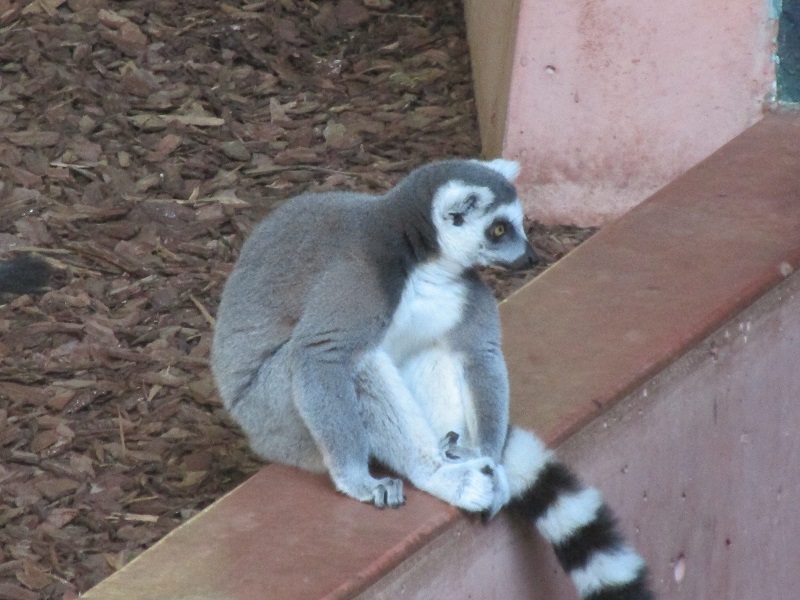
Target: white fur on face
460	245
465	245
505	253
511	212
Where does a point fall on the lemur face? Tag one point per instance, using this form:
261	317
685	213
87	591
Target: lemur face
479	225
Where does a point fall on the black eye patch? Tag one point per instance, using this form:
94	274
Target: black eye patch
458	219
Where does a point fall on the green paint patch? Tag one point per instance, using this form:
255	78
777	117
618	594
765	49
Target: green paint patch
788	75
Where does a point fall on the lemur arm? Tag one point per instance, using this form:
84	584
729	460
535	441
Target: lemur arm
478	339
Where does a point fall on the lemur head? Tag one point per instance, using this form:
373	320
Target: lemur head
478	217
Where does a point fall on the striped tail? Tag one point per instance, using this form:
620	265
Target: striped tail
575	520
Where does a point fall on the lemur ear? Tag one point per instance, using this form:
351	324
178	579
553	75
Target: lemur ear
507	168
455	200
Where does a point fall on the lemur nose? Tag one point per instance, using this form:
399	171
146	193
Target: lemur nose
526	261
531	256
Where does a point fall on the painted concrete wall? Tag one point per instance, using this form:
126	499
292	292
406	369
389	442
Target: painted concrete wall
711	498
608	100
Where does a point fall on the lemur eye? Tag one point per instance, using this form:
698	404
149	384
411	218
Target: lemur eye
498	230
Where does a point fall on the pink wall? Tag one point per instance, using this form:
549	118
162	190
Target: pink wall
611	99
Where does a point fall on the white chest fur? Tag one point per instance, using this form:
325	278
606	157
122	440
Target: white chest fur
432	304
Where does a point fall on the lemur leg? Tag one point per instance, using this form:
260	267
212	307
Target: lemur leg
453	450
266	412
325	396
402	438
437	380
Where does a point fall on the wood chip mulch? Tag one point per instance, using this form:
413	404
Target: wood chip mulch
140	141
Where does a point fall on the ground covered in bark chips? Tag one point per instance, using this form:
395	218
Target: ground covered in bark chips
140	141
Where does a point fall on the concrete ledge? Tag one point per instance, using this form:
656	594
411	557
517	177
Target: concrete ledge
684	454
282	534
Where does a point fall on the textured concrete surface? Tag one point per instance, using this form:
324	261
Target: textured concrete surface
281	535
700	461
703	463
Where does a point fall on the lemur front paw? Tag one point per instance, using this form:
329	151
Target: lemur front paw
388	492
502	493
453	451
467	484
383	492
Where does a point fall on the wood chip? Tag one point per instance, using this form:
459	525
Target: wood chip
33	139
196	120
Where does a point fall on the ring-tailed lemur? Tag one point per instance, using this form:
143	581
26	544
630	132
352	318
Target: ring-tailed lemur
355	327
23	274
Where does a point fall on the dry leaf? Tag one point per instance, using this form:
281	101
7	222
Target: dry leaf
196	120
111	19
33	139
